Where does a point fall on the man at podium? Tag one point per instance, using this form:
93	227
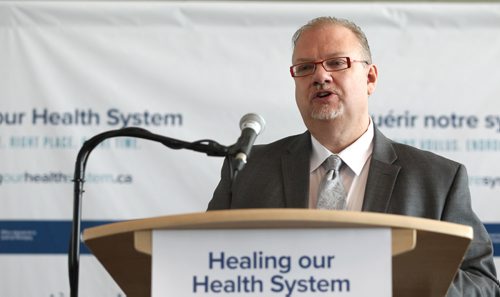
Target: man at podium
344	162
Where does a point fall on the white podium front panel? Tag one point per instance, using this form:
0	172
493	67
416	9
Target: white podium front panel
272	262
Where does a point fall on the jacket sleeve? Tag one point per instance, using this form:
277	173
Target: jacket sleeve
476	276
221	198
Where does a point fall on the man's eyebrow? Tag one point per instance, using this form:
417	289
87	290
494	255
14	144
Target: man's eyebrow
333	55
304	60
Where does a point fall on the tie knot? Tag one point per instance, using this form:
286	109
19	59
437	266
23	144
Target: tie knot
332	163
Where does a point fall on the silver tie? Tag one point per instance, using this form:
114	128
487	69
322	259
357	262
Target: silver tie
331	190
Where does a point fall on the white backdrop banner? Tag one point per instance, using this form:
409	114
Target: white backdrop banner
190	70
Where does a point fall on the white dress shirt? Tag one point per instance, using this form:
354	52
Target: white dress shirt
354	171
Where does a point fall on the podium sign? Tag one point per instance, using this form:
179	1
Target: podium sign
272	262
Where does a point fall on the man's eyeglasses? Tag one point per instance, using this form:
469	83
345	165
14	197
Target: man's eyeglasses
330	65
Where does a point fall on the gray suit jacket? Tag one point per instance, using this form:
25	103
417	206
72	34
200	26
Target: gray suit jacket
401	180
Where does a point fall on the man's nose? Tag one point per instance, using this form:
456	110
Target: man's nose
321	76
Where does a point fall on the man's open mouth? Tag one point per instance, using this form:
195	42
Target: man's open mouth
322	94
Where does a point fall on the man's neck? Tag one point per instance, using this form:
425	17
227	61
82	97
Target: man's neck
336	137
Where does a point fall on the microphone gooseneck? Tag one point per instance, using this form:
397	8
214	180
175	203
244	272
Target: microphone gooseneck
251	125
209	147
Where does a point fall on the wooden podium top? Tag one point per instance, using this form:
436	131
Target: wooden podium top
426	253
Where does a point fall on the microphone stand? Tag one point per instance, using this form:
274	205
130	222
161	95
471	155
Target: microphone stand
209	147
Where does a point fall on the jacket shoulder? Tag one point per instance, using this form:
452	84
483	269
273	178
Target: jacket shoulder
284	144
422	158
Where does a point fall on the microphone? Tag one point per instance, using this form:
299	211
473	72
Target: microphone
251	125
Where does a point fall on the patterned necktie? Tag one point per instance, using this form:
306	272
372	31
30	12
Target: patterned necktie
331	190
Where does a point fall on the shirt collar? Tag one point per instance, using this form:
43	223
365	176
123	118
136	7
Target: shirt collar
355	155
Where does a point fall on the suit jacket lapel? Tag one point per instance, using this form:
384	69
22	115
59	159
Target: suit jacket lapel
295	163
382	175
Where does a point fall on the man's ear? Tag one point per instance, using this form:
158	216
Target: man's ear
372	79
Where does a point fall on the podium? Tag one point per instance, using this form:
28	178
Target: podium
426	254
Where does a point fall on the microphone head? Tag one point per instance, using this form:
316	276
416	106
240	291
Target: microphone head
253	121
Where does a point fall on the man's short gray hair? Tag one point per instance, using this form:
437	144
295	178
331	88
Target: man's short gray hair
360	35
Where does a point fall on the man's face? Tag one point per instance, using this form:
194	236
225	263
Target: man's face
340	96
